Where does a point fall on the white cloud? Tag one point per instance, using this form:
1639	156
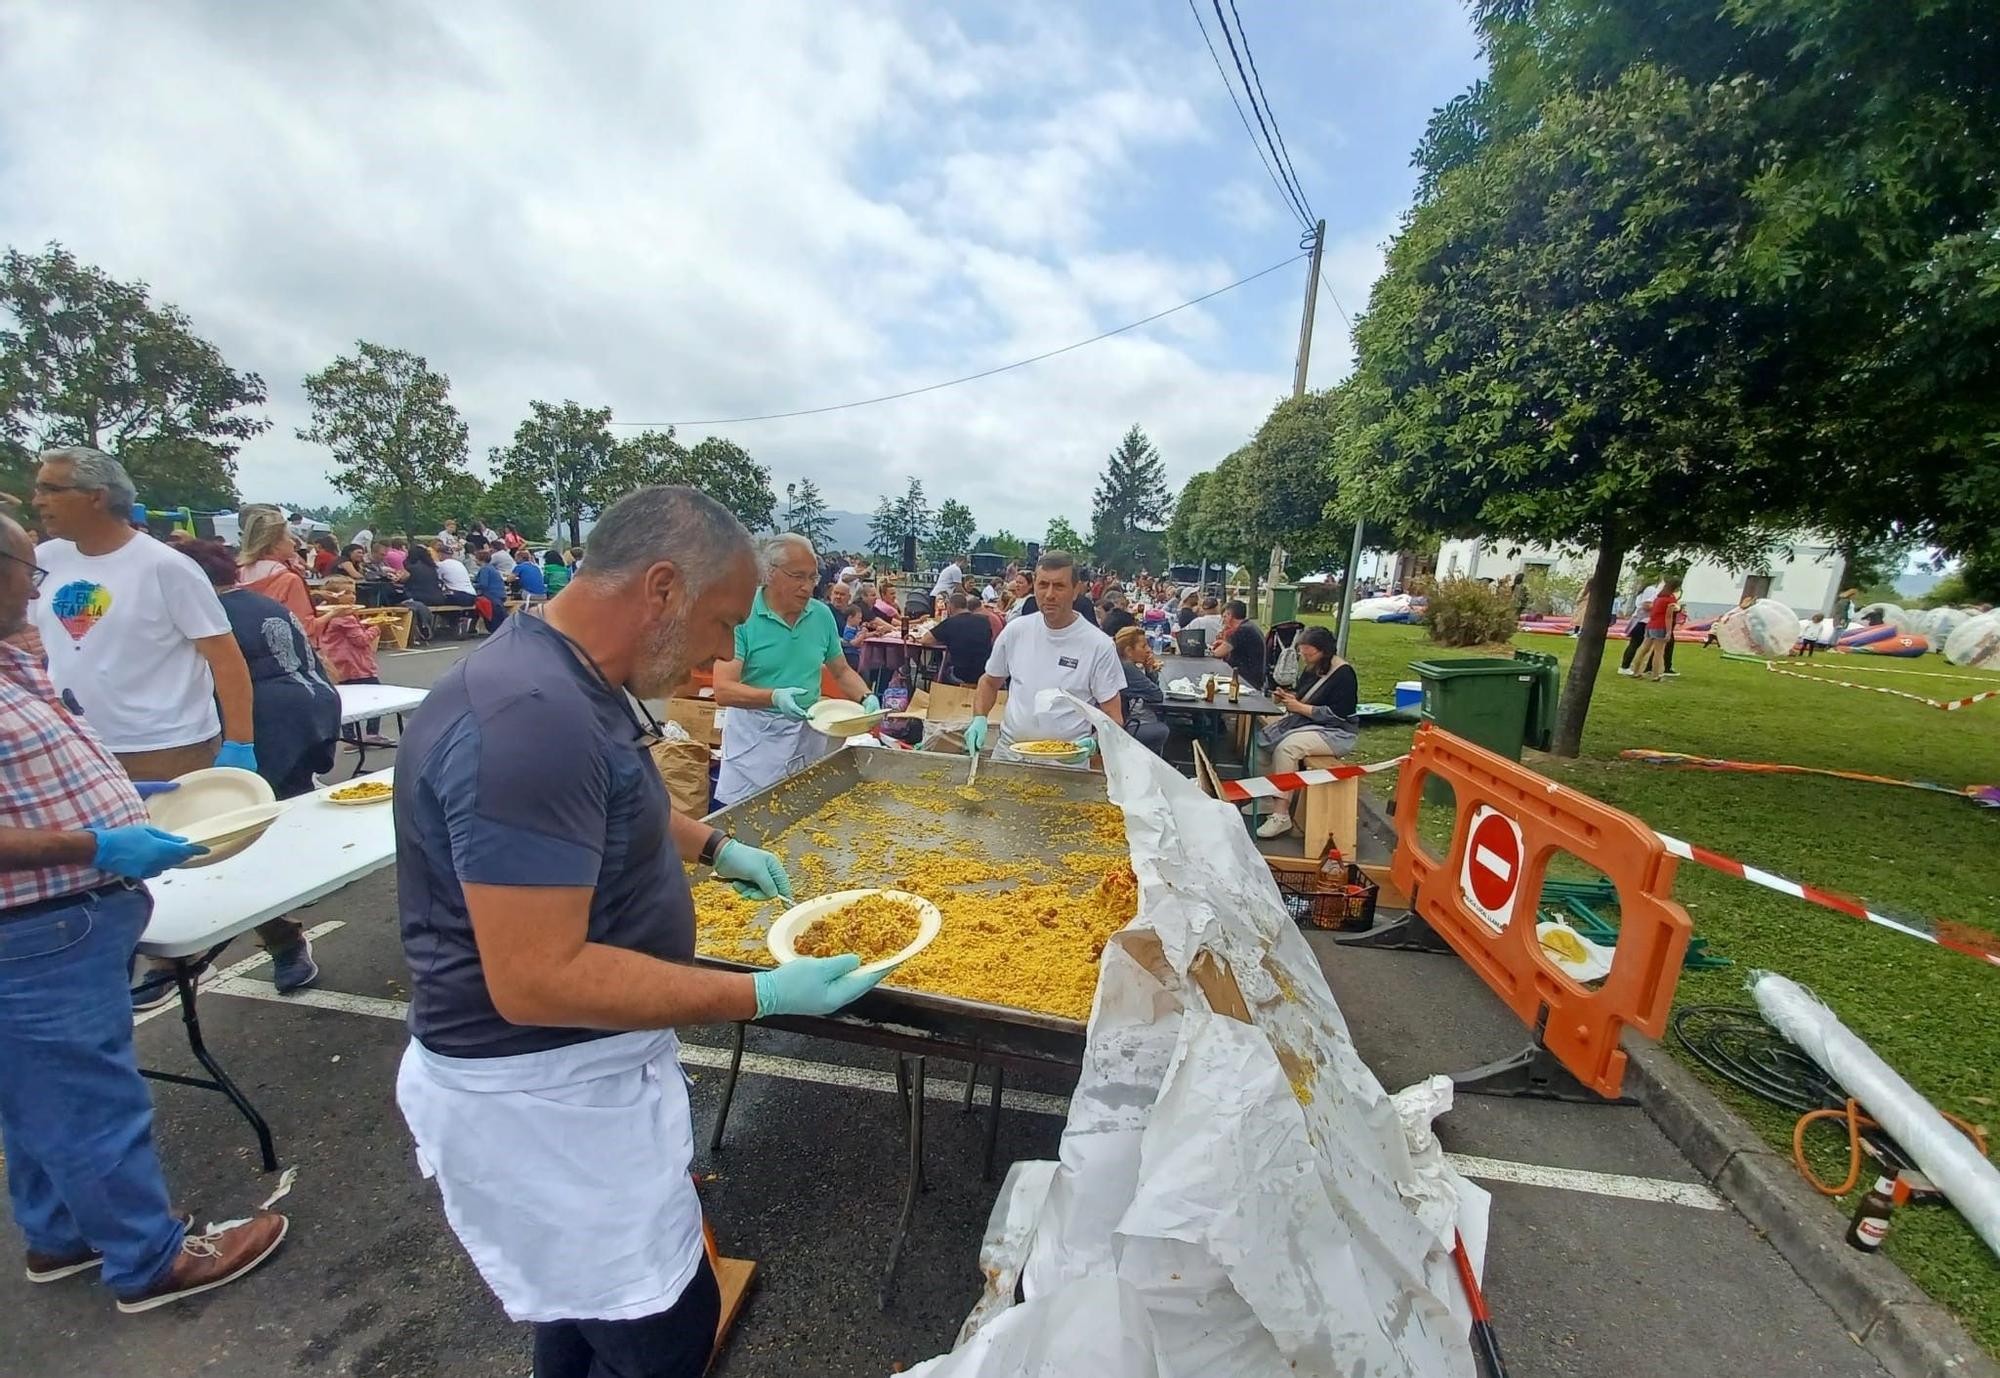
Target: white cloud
685	211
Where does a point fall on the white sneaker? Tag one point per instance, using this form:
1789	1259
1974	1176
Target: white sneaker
1277	825
1625	670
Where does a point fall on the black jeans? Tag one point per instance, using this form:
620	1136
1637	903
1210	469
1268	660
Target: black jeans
676	1343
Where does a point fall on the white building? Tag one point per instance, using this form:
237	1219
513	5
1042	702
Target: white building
1804	574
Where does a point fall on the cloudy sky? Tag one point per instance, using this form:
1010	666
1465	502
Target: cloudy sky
690	212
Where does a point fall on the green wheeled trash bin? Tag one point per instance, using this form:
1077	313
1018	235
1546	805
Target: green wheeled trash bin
1542	697
1483	699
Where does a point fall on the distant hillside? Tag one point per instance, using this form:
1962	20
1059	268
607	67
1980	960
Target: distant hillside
1915	583
850	530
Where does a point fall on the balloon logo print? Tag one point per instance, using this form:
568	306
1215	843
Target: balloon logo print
80	605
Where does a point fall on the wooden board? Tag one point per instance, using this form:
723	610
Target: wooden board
734	1277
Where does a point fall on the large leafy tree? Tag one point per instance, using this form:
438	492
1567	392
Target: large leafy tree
1003	543
398	443
514	499
806	512
951	532
1559	351
566	453
1130	506
1062	536
720	468
88	360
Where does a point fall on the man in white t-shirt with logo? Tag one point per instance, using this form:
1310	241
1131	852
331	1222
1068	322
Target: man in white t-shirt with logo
1053	648
136	638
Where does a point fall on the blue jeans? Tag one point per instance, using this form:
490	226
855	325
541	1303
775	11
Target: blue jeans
77	1118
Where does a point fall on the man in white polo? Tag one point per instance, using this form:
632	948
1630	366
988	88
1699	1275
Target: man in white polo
1053	648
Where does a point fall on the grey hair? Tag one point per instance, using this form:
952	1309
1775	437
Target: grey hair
696	533
97	470
771	551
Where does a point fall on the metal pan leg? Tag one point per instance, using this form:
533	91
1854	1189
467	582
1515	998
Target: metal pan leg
971	1084
913	1077
992	1123
728	1091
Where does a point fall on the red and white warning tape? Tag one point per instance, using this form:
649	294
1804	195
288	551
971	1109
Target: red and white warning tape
1973	943
1948	705
1283	783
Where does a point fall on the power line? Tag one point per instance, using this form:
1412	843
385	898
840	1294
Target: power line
1282	192
1285	154
1298	198
1336	305
983	373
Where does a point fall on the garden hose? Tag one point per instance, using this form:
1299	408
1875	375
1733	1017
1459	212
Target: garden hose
1857	1123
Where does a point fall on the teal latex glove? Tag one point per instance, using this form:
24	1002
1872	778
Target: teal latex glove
758	875
871	704
139	852
975	736
237	755
785	700
1087	745
813	985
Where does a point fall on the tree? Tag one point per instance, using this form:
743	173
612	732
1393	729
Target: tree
1130	506
805	512
720	468
1062	536
1559	352
88	360
567	454
1003	543
885	531
895	518
951	533
398	443
513	499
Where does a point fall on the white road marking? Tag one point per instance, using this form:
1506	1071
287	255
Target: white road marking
1493	861
1617	1184
217	976
709	1055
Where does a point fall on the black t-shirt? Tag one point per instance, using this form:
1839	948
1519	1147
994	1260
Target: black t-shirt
423	585
1187	615
1083	605
1117	620
1342	694
523	767
1246	652
968	639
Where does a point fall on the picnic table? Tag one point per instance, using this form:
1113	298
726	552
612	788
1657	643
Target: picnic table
360	702
888	654
314	849
1241	715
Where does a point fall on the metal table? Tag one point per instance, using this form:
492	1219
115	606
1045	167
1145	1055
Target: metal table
916	1025
360	702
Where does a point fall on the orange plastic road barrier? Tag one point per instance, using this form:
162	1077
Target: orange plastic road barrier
1483	899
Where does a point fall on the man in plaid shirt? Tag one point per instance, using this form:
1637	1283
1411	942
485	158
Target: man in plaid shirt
82	1174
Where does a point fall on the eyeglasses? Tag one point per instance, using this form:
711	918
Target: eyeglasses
799	576
47	488
35	572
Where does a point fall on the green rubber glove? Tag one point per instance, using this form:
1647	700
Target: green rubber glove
785	701
758	875
975	736
1087	745
813	985
871	704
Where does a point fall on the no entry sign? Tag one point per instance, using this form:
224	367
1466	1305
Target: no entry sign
1490	877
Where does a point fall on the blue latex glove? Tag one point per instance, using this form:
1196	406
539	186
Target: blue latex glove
237	755
148	788
139	852
813	985
758	874
975	736
785	700
871	704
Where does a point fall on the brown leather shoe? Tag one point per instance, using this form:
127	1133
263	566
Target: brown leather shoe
56	1267
212	1260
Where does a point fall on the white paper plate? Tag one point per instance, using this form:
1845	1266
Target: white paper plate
841	718
226	834
206	793
800	917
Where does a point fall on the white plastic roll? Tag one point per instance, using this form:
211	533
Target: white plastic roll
1947	1157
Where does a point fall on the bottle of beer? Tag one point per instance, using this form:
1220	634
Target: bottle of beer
1871	1217
1208	688
1235	685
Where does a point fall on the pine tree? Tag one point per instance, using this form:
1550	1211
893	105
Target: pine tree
805	512
1130	507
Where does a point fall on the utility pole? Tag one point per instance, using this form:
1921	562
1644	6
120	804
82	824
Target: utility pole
1316	241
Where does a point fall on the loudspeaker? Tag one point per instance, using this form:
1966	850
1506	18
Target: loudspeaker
909	553
1034	554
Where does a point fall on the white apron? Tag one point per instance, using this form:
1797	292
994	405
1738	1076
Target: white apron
564	1173
760	748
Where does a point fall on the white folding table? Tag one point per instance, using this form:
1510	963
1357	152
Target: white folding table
360	702
314	849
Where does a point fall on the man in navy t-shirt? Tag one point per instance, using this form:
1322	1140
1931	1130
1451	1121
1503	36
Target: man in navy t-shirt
548	926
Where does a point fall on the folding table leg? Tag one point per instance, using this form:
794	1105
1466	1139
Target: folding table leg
184	977
992	1123
728	1091
971	1084
913	1179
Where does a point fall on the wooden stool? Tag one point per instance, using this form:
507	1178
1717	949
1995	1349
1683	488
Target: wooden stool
1331	811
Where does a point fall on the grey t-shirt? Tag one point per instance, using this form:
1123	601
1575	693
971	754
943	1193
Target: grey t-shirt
524	767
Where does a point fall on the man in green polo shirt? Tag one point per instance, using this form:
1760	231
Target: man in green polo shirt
775	677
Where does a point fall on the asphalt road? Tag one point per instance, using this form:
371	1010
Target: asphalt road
371	1282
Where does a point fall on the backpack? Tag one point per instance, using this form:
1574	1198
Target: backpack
1286	664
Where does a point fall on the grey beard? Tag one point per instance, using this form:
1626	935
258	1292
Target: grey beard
662	662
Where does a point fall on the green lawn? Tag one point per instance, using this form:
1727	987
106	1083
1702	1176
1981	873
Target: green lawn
1935	1015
